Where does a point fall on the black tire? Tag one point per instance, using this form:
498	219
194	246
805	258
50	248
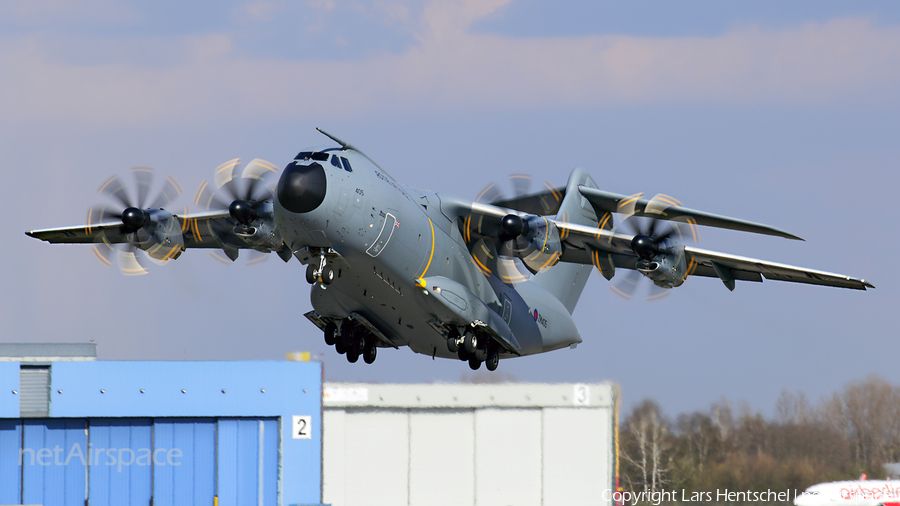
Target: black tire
481	354
345	342
462	354
452	345
352	356
327	275
470	341
493	359
330	333
311	274
370	352
474	363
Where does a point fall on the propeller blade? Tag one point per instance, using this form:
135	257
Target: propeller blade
143	177
625	288
521	182
488	194
207	199
113	187
171	190
100	214
129	263
255	258
657	294
256	172
103	253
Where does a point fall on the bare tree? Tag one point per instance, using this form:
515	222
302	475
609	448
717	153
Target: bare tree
867	413
646	443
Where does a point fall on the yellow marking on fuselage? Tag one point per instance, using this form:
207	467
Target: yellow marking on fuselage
421	281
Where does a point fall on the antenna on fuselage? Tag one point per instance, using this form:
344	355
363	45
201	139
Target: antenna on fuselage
347	145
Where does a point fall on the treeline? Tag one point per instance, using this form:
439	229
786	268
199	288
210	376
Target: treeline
853	431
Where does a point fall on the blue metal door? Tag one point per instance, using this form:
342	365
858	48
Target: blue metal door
54	461
10	471
184	470
121	461
247	461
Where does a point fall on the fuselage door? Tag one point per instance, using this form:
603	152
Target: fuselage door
387	230
507	308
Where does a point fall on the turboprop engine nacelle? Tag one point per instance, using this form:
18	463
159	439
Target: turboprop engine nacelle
533	239
160	235
667	269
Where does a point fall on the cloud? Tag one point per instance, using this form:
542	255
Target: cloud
451	68
32	13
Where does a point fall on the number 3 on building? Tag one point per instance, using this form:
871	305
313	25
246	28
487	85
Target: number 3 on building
302	427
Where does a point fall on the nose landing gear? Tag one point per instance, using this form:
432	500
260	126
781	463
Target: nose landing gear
322	272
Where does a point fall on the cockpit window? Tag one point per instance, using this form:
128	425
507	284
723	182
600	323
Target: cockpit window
336	161
319	156
346	164
303	155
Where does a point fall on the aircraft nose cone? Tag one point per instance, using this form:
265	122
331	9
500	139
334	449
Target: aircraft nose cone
301	188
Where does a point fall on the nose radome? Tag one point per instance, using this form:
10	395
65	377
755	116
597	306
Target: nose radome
301	188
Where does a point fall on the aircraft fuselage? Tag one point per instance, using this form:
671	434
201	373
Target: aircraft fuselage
383	241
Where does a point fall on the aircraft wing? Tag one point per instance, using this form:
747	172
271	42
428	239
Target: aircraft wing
668	209
542	203
199	230
607	250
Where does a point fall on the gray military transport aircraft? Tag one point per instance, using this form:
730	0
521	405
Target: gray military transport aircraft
449	277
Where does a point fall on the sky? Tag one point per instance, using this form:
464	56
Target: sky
785	114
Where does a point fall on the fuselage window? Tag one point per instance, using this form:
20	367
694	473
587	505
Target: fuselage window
346	164
303	155
336	161
319	156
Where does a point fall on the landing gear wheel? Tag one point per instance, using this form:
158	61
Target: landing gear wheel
352	356
481	354
330	334
345	342
453	344
311	276
462	354
493	359
470	341
370	352
474	363
327	275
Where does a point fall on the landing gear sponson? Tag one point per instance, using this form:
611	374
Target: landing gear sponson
353	336
356	337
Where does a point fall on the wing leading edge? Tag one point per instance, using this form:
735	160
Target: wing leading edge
607	250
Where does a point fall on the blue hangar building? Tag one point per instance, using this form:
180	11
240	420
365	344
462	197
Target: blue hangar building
78	431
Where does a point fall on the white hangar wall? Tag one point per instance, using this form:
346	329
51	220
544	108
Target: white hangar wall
461	444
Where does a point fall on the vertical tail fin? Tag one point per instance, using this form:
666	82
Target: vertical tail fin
566	280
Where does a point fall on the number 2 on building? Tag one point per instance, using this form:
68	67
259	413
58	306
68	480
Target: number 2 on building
302	427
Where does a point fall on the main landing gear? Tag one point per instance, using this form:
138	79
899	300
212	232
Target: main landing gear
321	272
474	348
351	341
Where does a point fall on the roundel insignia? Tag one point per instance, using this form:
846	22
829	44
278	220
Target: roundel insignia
535	314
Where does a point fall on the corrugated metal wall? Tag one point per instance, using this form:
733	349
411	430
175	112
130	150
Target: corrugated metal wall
126	461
